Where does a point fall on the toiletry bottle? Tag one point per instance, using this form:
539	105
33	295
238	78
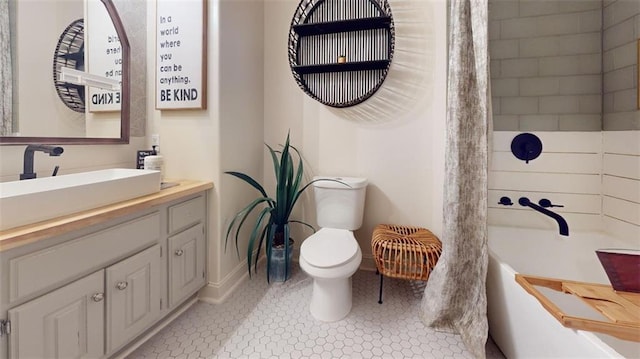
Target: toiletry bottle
155	162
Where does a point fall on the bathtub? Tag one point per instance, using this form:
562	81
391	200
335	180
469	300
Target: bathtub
520	326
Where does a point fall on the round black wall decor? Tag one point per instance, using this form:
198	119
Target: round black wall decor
340	51
70	53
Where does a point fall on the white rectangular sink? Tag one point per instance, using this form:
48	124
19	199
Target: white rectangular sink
35	200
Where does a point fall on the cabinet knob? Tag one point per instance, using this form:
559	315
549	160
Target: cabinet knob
122	285
179	252
98	297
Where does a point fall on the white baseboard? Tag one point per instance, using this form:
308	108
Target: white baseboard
216	293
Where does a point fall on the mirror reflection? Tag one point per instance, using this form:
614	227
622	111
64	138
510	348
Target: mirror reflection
66	72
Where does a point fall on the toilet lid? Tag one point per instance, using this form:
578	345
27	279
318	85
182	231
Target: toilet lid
329	247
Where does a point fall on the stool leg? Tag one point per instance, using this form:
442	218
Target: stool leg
380	296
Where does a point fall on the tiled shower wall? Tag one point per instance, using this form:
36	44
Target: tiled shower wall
621	31
594	175
546	65
621	184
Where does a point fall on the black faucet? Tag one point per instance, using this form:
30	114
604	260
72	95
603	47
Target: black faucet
564	228
28	158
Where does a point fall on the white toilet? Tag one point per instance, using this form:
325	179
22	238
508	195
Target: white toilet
332	255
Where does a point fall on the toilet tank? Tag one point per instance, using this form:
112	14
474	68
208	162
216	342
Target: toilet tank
337	205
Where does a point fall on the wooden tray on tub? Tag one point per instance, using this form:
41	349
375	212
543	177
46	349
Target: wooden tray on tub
622	309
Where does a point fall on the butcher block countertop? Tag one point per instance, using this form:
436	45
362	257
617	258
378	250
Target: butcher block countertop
19	236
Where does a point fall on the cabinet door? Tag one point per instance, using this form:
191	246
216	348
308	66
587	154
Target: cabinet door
133	296
186	263
65	323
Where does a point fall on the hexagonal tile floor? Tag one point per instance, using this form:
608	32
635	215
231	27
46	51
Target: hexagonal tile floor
273	321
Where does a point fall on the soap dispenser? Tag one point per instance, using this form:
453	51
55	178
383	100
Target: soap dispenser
155	162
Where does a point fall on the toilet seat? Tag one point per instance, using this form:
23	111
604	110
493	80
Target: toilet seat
329	247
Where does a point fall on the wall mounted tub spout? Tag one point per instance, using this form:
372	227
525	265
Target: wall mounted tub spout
564	228
28	158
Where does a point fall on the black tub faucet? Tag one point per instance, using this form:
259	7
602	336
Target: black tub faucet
564	228
28	158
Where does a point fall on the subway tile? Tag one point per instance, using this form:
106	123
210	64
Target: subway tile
579	5
539	86
580	85
496	105
503	9
519	28
539	123
541	7
607	61
580	122
590	104
619	34
607	102
625	55
519	68
504	87
494	30
503	49
537	8
519	105
570	65
621	121
559	104
577	44
505	123
620	11
562	24
620	79
625	100
591	20
495	68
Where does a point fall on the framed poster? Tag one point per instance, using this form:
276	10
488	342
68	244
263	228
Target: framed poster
103	57
181	38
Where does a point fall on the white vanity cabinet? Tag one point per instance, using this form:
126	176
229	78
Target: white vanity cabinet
186	264
66	323
91	291
187	252
133	296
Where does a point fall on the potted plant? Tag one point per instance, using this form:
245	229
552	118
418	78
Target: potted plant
271	226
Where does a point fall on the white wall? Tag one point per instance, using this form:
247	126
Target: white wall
201	144
402	157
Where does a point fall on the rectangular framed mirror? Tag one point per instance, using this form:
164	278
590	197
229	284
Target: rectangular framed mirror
44	107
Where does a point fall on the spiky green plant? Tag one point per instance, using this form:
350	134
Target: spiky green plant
271	226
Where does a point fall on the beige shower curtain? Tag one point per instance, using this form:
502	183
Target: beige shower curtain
455	296
5	71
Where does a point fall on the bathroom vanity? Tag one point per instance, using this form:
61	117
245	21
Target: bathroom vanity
90	284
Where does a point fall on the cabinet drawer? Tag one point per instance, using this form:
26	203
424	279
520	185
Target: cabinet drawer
185	214
63	262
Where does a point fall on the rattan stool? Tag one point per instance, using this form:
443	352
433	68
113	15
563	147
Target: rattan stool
404	252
